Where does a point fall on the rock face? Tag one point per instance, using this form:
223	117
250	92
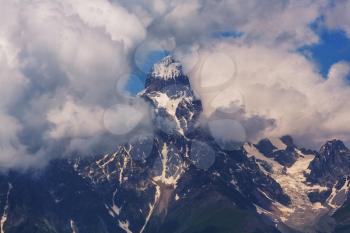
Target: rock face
331	163
169	91
179	180
281	150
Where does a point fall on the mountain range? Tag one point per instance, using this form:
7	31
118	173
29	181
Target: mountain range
180	180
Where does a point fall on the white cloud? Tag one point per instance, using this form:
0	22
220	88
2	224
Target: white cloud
282	86
338	73
273	23
60	62
121	119
59	65
73	120
115	20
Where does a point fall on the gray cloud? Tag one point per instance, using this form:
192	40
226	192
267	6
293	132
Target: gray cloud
337	16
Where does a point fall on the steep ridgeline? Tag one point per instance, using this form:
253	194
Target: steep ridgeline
177	179
316	182
331	164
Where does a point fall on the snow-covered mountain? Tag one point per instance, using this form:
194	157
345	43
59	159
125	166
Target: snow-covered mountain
178	180
316	186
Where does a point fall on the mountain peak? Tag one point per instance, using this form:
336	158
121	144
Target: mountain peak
333	146
331	164
169	91
288	140
167	68
167	77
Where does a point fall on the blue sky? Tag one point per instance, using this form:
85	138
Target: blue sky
334	46
143	66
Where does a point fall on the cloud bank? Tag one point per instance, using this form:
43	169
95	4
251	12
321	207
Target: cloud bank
62	64
285	89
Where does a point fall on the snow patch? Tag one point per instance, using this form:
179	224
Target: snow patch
164	178
73	226
125	163
293	182
277	142
332	197
151	208
6	209
125	225
162	100
167	69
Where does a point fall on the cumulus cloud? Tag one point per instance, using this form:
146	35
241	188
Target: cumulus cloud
284	89
275	23
270	80
59	65
338	73
73	120
61	61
